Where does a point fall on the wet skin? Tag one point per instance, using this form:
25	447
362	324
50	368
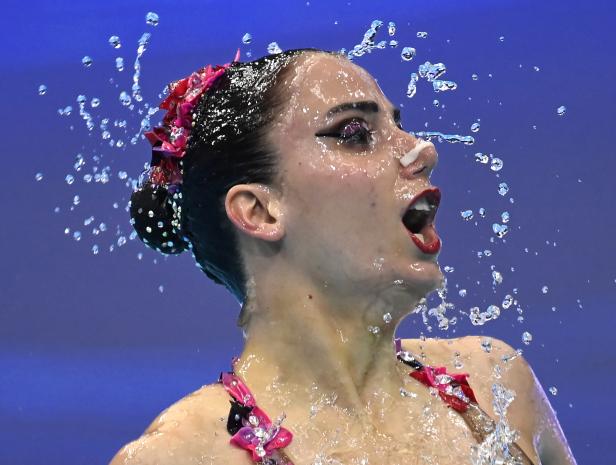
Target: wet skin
328	257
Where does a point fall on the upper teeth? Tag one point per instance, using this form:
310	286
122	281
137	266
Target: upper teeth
421	204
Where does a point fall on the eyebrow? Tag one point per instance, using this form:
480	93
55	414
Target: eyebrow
368	106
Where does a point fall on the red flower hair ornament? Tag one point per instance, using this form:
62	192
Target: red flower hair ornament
169	139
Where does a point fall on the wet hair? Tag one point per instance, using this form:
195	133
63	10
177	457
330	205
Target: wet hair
227	146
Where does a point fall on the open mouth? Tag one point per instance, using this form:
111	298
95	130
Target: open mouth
418	219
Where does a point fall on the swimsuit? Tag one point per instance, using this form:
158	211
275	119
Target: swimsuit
264	439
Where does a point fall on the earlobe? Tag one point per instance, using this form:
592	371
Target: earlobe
255	210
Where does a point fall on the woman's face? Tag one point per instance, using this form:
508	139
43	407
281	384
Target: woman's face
343	200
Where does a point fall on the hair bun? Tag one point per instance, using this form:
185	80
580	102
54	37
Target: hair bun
155	221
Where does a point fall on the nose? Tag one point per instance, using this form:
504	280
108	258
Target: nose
421	158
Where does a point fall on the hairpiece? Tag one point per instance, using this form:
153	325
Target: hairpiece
169	139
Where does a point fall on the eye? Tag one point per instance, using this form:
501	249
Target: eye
354	131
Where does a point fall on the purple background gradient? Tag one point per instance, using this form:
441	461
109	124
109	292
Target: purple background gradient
91	351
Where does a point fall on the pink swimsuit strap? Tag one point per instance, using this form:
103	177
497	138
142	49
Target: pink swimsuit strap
252	429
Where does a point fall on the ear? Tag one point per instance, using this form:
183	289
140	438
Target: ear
255	210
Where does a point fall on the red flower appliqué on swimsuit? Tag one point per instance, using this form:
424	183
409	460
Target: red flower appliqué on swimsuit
258	435
453	388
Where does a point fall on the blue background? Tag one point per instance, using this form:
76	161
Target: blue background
91	350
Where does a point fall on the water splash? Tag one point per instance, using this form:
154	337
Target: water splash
142	46
451	138
367	44
273	48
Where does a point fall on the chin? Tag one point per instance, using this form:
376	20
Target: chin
424	277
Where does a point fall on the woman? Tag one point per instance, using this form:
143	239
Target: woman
293	184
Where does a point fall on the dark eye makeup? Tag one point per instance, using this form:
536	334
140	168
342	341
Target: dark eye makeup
354	131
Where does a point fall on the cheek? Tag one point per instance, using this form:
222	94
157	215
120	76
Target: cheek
342	208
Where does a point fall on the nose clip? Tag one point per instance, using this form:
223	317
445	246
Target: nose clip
412	155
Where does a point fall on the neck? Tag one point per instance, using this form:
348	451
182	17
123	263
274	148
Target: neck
303	340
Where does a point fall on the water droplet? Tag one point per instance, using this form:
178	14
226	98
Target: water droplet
561	110
449	269
405	393
474	77
393	43
422	35
497	277
42	89
505	217
435	102
387	317
391	28
503	188
486	344
119	63
161	288
151	18
38	176
95	102
408	53
497	164
553	390
493	311
121	241
500	229
76	200
79	162
374	329
412	86
544	289
482	212
467	215
501	38
475	127
507	301
273	48
442	86
114	41
462	292
86	61
69	179
125	98
95	249
66	111
247	38
526	337
77	235
482	158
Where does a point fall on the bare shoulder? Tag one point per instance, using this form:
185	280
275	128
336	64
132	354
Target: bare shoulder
191	429
487	361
